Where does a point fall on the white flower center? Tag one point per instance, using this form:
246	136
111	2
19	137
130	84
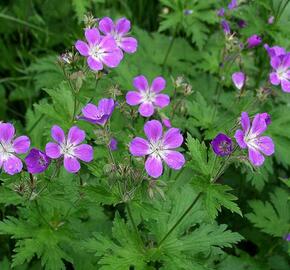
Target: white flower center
157	148
96	51
67	149
5	150
148	96
282	73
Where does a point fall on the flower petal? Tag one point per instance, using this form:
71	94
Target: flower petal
12	165
285	85
90	111
133	98
93	36
275	62
112	59
158	84
266	145
128	44
84	152
255	157
146	109
161	100
239	136
106	25
7	132
238	79
21	144
94	64
57	134
245	122
82	47
174	159
108	44
172	138
106	106
140	83
139	147
53	150
123	26
258	125
71	164
153	130
75	135
274	79
153	166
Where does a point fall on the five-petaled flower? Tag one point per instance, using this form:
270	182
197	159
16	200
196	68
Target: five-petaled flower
148	96
99	50
222	145
158	147
70	149
98	114
36	161
119	32
9	147
250	137
281	71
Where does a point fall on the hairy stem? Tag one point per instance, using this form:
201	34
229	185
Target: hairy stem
133	223
169	48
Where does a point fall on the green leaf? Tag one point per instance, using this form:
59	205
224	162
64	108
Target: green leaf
272	216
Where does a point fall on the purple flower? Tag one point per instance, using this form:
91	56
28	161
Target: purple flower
70	149
166	122
242	23
119	32
158	148
221	12
271	20
222	145
238	79
233	4
148	96
275	50
281	71
187	12
287	237
37	161
99	50
254	41
9	147
226	27
267	118
98	114
113	144
250	137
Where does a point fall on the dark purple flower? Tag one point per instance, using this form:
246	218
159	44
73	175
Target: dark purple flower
113	144
148	96
226	27
233	4
158	147
37	161
98	114
222	145
271	20
238	79
281	71
275	50
254	41
9	147
119	32
242	23
99	50
221	12
250	137
70	149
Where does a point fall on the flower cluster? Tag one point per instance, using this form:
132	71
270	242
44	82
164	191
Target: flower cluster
107	49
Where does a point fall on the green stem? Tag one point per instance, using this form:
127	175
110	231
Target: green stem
180	219
133	223
169	49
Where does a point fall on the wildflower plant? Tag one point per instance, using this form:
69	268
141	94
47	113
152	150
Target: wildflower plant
159	139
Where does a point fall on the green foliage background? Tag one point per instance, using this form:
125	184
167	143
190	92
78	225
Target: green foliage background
239	222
